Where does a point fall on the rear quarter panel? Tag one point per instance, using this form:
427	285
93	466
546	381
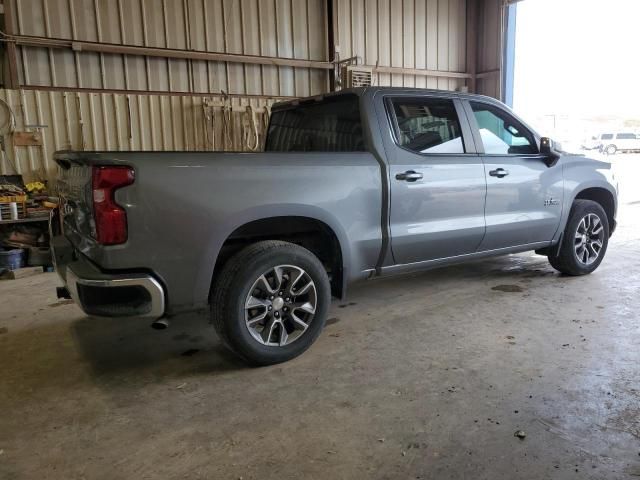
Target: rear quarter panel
183	206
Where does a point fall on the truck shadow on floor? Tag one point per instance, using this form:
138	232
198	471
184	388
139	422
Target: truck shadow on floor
66	345
190	345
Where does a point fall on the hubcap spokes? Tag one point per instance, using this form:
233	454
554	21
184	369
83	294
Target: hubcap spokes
589	239
280	305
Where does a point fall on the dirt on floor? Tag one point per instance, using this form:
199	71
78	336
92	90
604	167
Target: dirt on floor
495	369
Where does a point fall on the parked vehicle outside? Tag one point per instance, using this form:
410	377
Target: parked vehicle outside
353	185
611	143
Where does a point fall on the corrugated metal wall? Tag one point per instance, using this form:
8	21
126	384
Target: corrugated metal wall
420	34
279	28
108	121
95	100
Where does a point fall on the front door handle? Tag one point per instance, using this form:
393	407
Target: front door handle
409	176
499	172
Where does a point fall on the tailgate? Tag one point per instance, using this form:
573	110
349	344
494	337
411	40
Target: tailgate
74	189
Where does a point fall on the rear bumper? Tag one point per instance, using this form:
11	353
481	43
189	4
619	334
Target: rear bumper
103	294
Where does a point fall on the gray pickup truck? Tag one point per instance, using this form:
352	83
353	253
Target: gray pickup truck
351	186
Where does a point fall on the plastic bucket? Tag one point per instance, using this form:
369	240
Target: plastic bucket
12	259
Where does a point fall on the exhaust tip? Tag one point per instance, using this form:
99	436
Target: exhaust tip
161	324
63	292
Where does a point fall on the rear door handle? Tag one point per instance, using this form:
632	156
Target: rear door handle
409	176
499	172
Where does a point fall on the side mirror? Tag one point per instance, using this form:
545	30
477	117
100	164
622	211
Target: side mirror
550	155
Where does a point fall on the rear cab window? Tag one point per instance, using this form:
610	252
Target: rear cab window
332	124
426	125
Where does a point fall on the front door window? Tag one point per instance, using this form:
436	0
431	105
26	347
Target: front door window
502	134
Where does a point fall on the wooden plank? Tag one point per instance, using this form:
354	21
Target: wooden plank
22	273
27	139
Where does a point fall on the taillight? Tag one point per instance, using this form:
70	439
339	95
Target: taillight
110	218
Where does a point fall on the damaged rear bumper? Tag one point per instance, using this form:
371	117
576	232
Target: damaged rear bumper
103	294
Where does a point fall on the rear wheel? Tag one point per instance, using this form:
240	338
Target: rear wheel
585	240
270	302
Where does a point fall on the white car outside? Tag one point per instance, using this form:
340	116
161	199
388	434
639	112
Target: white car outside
610	143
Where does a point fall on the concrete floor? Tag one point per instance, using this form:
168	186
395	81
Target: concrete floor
426	376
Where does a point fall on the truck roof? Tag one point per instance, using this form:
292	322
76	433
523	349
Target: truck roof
360	91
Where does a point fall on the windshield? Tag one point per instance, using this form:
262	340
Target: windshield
331	125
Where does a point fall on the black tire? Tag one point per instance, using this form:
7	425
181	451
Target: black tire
565	259
231	290
610	150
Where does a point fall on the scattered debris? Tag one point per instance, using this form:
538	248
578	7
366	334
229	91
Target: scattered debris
510	337
60	303
381	440
181	386
520	434
565	344
332	320
508	288
416	445
404	453
334	335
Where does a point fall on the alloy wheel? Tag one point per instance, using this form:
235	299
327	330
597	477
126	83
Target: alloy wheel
589	239
280	305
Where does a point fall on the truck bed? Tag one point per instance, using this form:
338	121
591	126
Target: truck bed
183	205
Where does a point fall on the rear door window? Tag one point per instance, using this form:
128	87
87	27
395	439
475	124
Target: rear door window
501	133
427	125
626	136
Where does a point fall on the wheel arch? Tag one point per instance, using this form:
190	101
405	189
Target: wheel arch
604	198
326	241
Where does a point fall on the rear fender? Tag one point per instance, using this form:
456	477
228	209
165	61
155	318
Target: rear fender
223	232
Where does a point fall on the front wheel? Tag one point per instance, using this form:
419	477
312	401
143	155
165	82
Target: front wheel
610	150
585	240
270	301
